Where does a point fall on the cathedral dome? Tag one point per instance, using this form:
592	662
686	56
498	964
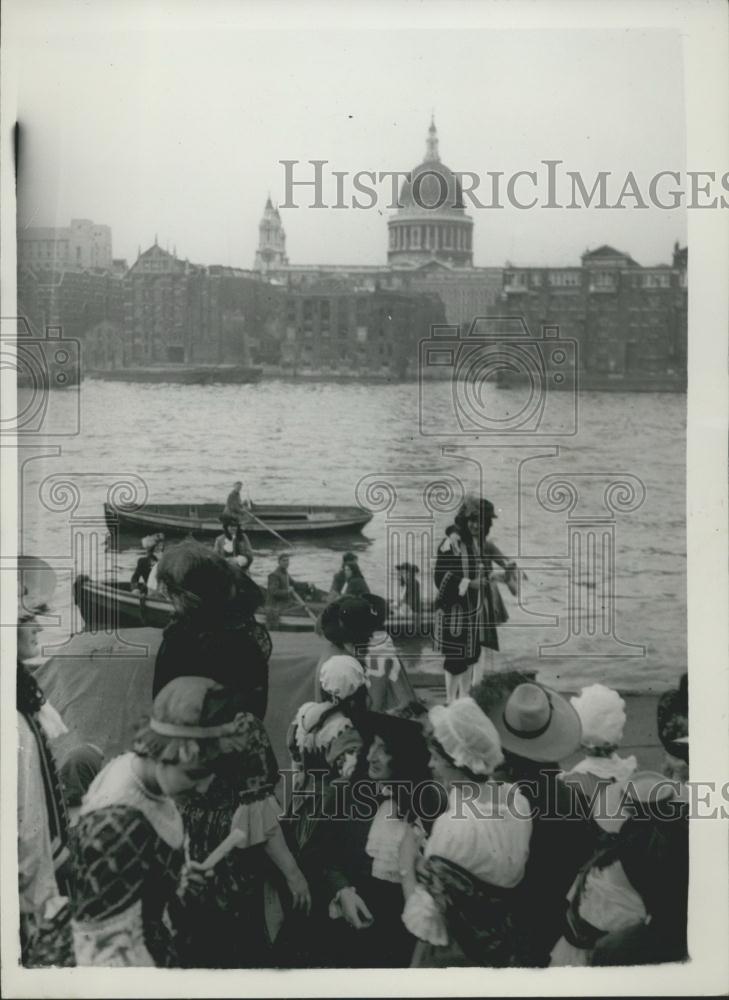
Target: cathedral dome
432	185
427	192
430	224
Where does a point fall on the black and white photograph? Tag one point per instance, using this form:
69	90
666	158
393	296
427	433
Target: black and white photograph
364	506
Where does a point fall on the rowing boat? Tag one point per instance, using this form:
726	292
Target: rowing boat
202	520
113	605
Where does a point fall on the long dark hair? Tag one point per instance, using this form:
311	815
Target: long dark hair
485	520
416	795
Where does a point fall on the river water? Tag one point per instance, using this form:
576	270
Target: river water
315	442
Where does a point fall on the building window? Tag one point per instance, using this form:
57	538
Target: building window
564	279
603	279
656	281
325	314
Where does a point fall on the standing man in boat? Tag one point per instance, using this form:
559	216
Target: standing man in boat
236	509
281	593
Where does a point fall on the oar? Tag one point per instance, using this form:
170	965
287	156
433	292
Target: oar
298	599
267	527
304	605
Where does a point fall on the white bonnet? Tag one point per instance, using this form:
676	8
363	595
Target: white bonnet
332	728
602	714
467	735
340	676
305	722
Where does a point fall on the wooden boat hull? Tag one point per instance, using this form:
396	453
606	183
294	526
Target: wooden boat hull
112	605
203	520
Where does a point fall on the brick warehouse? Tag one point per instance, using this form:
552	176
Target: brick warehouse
335	327
627	319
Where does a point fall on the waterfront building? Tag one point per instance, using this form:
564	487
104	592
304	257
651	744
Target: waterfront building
335	326
627	319
175	311
82	244
73	300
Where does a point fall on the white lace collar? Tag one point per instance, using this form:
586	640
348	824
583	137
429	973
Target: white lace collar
117	784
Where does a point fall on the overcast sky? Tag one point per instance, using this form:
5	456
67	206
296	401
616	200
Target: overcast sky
176	128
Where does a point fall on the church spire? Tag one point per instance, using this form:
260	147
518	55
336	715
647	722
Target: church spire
271	252
431	147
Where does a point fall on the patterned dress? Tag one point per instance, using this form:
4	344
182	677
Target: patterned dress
128	852
225	926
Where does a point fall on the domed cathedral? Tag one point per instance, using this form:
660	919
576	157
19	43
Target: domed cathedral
271	252
430	247
431	223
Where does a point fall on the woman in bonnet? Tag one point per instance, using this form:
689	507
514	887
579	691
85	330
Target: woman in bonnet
602	715
459	893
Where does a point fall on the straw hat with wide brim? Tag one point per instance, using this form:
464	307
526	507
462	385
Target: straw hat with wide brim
536	723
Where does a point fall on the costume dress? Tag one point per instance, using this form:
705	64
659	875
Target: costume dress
475	856
128	852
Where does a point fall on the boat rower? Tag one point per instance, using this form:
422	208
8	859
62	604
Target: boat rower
236	509
281	594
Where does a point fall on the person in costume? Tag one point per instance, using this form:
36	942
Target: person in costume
396	796
538	729
468	605
132	878
602	717
460	893
225	926
355	626
213	631
44	869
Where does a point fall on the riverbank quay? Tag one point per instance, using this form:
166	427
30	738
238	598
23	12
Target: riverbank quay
101	683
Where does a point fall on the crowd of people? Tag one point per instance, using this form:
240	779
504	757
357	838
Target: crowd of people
470	833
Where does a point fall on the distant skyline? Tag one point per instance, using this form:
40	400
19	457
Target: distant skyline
150	127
